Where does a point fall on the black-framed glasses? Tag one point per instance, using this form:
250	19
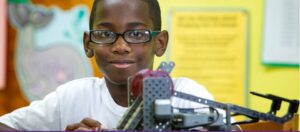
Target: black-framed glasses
104	37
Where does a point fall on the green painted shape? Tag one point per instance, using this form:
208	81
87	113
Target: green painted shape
18	1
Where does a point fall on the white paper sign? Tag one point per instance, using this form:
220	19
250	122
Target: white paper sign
2	43
281	32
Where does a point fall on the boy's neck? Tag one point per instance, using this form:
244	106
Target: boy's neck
118	93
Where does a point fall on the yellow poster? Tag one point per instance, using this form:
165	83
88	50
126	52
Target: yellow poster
210	47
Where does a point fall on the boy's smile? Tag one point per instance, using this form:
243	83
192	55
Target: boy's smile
122	64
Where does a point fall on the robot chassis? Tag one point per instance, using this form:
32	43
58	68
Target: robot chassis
152	110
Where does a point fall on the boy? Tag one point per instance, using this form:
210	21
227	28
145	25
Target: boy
124	37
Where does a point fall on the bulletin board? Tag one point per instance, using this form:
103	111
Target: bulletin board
210	46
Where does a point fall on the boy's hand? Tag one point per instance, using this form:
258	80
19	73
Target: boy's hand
87	124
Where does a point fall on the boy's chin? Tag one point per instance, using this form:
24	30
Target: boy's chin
120	82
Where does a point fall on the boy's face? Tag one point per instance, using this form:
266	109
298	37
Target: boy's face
119	60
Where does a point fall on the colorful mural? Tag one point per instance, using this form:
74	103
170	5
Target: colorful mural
49	48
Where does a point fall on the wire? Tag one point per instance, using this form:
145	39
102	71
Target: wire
207	124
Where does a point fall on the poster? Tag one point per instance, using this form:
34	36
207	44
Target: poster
210	47
2	43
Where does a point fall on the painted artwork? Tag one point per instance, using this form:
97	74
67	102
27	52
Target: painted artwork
49	49
2	43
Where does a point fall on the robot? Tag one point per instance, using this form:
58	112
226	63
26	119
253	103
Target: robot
150	106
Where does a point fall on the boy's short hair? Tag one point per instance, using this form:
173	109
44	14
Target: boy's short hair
154	10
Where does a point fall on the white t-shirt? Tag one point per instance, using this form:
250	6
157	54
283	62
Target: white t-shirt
87	97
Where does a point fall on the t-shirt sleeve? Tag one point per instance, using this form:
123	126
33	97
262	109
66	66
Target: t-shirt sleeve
191	87
39	115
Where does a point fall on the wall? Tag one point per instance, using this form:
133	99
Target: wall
282	81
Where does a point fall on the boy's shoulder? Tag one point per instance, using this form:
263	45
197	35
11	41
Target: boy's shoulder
83	81
186	82
81	84
192	87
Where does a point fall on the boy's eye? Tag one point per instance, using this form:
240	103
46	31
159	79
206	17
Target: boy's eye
136	34
104	34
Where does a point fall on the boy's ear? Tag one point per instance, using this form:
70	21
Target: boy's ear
161	41
86	44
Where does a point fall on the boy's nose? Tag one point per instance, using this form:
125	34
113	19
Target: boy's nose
120	46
